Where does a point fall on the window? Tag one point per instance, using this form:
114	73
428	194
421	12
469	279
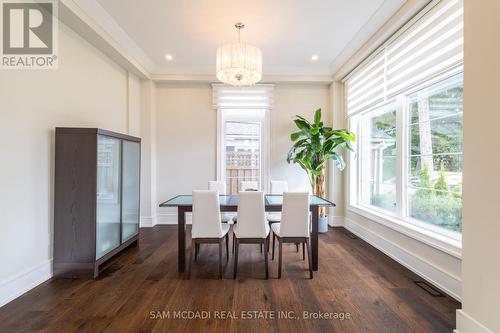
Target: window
405	103
434	153
378	159
242	150
242	134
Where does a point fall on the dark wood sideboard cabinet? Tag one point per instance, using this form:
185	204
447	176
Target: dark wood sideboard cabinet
96	198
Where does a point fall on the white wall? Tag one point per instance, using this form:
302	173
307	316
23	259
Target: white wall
186	136
133	105
291	100
148	153
186	141
87	90
481	222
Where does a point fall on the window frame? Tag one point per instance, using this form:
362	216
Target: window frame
244	116
447	240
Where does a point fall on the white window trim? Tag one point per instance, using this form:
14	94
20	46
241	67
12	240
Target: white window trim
265	151
442	239
435	240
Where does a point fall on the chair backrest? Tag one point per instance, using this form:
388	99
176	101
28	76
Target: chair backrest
279	186
206	215
295	215
217	185
251	215
246	185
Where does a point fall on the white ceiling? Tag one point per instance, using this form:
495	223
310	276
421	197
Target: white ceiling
289	32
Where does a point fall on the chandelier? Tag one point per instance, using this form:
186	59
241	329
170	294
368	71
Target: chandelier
239	64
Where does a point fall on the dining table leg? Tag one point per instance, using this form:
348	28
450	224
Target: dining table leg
181	238
314	237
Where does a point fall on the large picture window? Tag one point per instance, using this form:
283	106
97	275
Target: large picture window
405	103
434	153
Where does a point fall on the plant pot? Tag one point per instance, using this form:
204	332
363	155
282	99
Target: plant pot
323	225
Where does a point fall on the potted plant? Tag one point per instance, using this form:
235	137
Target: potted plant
313	146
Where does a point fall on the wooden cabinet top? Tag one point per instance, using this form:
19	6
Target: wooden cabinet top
95	131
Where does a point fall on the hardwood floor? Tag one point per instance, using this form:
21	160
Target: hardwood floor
142	287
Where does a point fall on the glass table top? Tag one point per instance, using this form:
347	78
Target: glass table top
232	200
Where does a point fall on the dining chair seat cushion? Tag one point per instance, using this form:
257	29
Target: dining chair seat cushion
227	217
235	230
276	228
274	217
225	229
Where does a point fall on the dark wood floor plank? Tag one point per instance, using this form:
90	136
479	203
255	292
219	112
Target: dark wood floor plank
142	284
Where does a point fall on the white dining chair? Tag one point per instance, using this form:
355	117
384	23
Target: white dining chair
252	227
246	185
294	225
278	187
249	185
220	187
207	226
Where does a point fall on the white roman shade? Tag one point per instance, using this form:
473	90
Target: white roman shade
427	46
432	44
366	86
253	97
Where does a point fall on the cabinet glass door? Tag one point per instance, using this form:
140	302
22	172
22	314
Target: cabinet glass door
130	184
108	194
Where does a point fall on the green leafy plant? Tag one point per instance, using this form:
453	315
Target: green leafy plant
314	145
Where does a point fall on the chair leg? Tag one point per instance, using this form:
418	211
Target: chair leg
266	241
196	248
220	258
297	245
280	257
237	246
274	238
227	247
233	241
309	258
260	248
193	248
303	251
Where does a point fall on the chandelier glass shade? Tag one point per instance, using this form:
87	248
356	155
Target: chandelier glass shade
239	63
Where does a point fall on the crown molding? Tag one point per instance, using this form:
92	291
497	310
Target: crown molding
292	79
107	38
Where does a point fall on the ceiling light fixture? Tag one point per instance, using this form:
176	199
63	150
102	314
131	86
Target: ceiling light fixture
314	57
238	63
169	57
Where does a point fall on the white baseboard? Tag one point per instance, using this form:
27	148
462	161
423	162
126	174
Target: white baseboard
146	222
467	324
447	282
24	281
335	221
171	218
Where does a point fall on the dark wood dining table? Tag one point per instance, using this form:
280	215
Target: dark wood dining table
229	203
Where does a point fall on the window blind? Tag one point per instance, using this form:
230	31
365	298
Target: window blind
366	86
254	97
423	48
432	44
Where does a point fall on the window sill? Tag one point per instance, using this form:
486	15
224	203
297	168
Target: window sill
443	243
